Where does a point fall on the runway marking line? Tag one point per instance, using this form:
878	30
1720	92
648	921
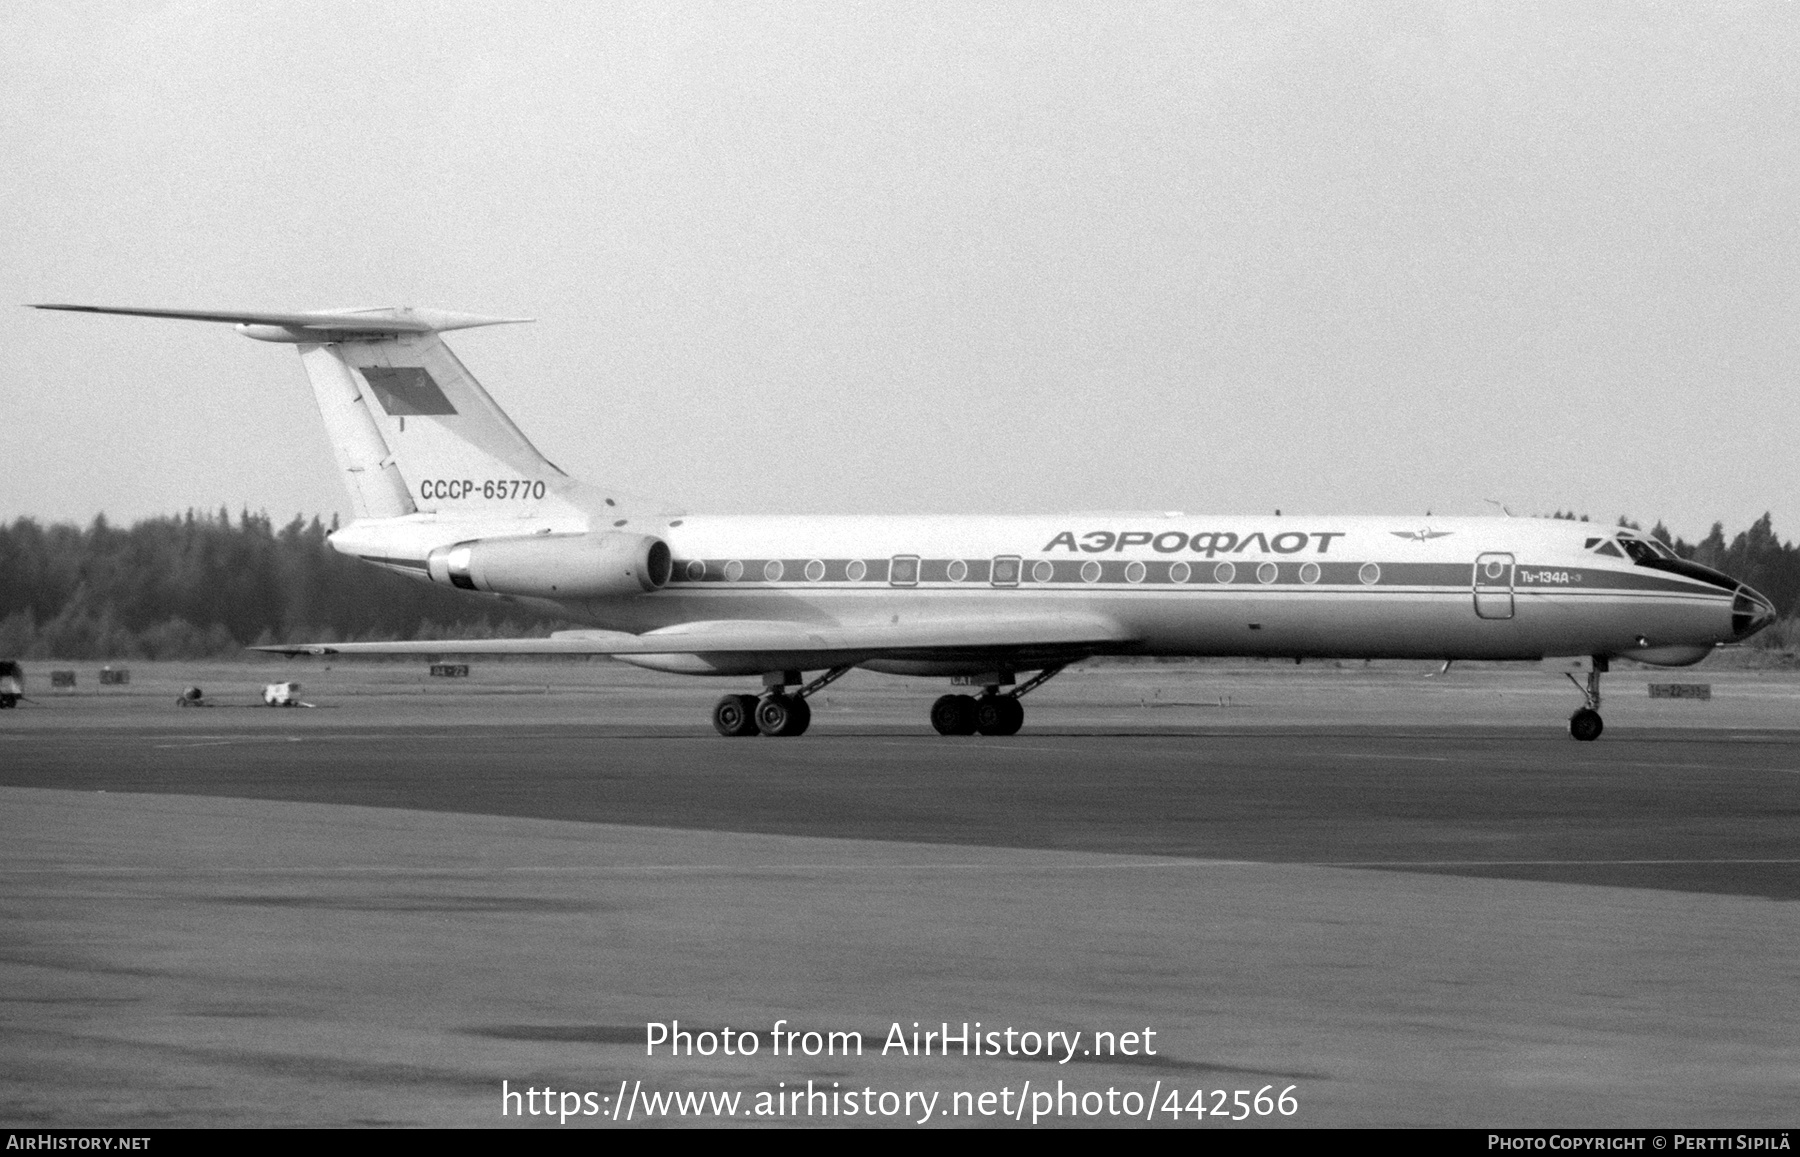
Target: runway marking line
1624	762
1521	863
614	869
967	746
1346	755
617	869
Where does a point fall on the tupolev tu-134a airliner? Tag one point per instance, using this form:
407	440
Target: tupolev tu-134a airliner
447	490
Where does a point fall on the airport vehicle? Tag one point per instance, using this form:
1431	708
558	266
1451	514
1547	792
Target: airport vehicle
446	489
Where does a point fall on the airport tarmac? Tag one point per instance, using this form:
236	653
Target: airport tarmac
1415	901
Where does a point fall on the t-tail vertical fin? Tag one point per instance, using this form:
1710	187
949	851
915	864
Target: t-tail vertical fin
412	429
457	451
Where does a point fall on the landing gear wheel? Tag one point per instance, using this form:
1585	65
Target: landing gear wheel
954	715
783	715
735	716
999	715
9	700
1586	725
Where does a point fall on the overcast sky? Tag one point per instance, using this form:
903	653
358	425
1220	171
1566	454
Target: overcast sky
928	257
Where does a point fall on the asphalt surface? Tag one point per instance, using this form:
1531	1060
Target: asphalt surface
1698	811
1414	901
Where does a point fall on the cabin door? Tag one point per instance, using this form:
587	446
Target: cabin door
1494	586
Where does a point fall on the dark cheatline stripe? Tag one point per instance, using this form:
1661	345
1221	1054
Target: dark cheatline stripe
1158	572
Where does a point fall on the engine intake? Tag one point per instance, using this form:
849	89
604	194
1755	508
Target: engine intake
555	566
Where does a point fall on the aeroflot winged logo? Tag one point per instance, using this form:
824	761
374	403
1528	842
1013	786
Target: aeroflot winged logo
1421	535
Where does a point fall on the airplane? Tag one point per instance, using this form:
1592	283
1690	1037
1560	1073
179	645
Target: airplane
446	489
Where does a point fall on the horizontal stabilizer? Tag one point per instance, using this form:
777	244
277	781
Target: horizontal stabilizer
389	319
832	644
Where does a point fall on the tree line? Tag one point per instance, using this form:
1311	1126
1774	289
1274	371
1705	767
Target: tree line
204	585
1755	556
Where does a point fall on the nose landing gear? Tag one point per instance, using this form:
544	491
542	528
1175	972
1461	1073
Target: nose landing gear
1586	724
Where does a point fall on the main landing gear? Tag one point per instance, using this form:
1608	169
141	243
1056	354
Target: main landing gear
1586	724
965	715
993	713
775	712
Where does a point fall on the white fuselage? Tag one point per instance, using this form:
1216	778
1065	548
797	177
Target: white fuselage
1293	586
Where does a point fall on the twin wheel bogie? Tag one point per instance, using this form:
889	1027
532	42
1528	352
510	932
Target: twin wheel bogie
779	715
989	715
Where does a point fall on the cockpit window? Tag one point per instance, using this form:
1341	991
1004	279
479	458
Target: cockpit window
1657	555
1644	550
1607	548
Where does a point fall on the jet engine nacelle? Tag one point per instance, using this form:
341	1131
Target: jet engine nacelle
555	566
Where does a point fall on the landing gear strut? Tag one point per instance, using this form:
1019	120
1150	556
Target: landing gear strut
1586	724
777	712
994	713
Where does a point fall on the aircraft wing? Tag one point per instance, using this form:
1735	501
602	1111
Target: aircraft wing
786	644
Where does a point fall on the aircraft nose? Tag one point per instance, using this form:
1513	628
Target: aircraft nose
1750	613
